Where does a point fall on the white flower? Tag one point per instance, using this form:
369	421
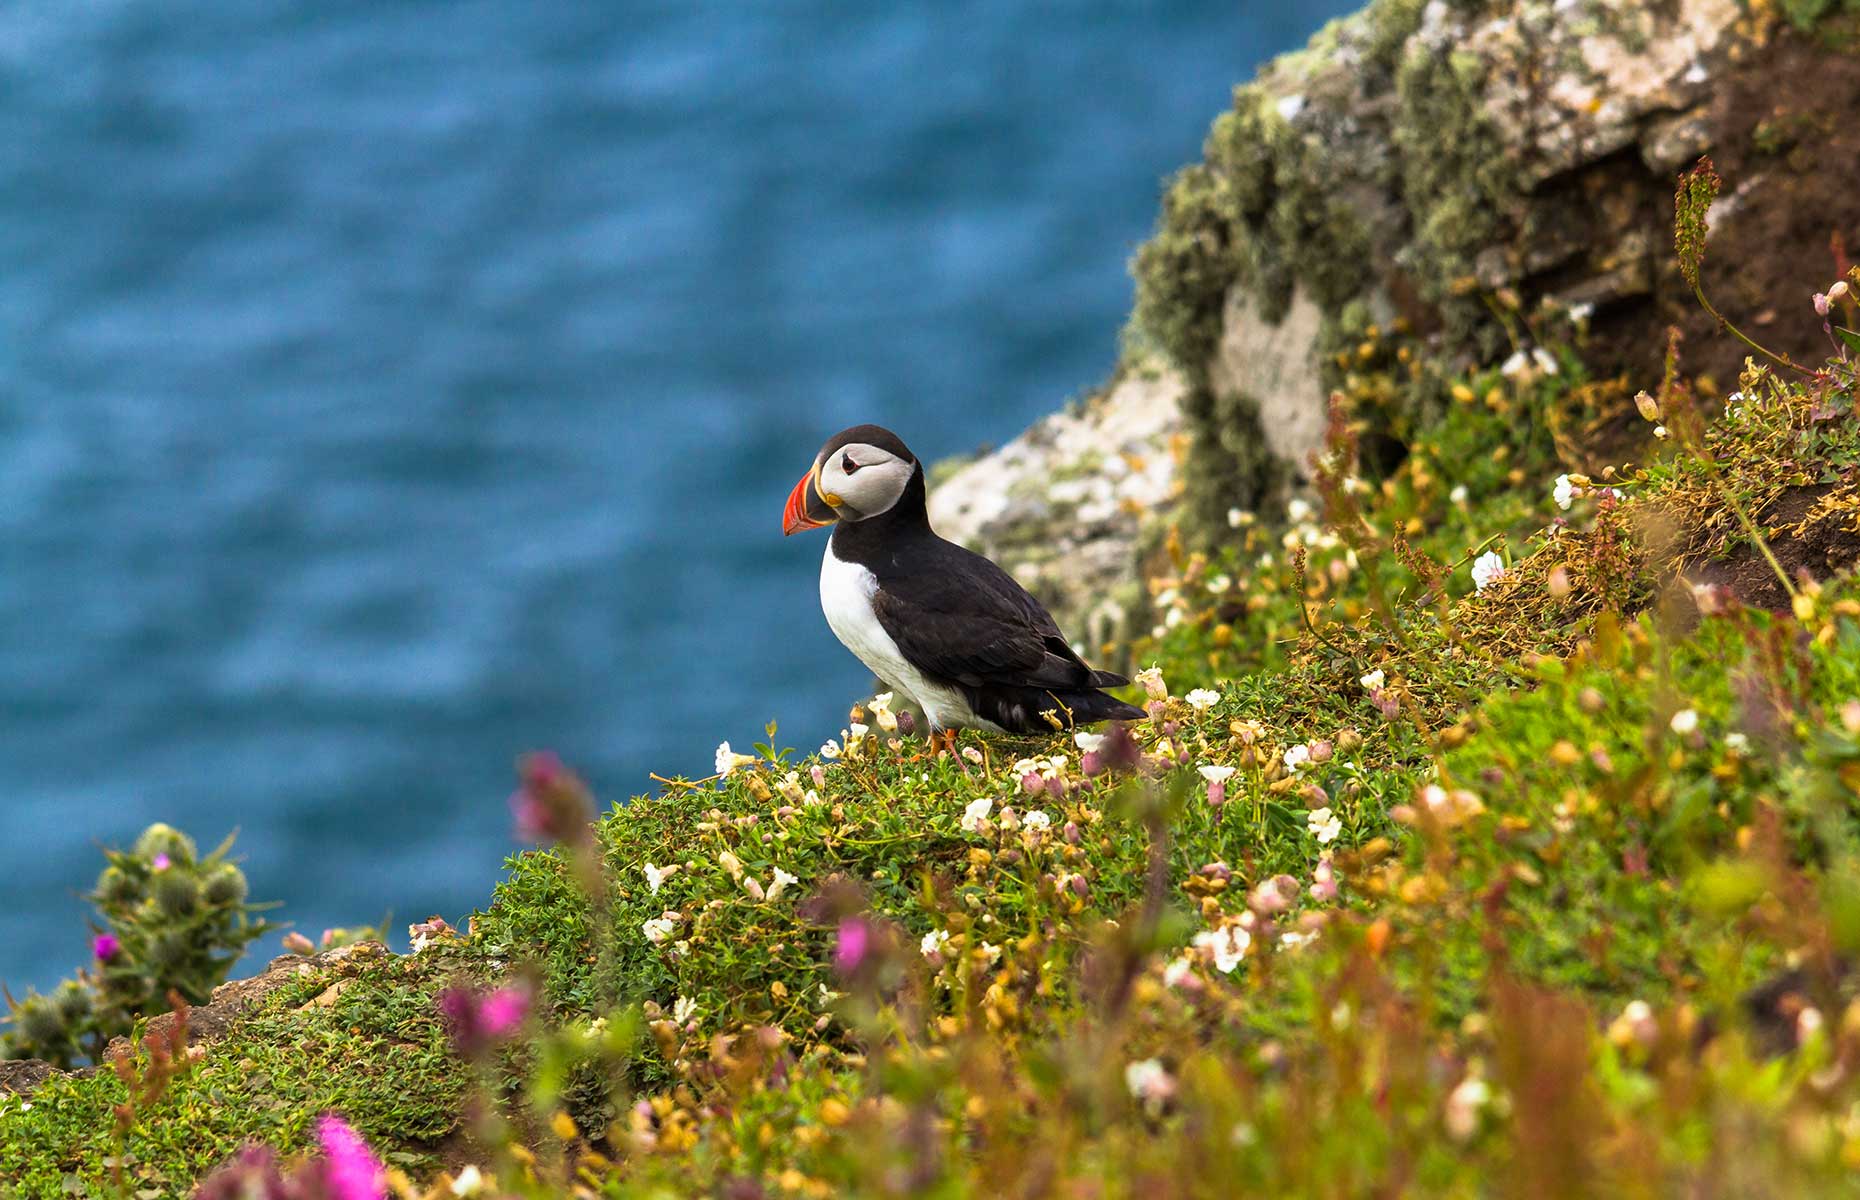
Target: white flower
1290	106
933	942
1237	517
1148	1080
976	814
1220	583
988	952
1737	742
1374	680
656	876
657	929
1565	492
780	883
1515	365
829	749
728	761
1659	431
1215	774
1463	1107
1087	742
1228	945
973	755
1585	310
882	700
1685	721
468	1182
1546	362
857	733
683	1009
1297	757
1151	680
1487	570
731	863
1037	821
1458	494
1177	970
1324	825
811	798
1298	510
1202	699
790	787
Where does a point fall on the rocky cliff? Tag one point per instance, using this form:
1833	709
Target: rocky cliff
1437	174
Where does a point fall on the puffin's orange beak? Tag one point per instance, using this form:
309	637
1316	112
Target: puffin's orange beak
806	509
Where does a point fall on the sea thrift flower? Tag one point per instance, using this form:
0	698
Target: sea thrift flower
476	1021
350	1169
105	947
1685	721
1324	825
975	815
1487	570
1202	699
851	944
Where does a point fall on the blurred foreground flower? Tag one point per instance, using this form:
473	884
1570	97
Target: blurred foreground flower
551	804
478	1020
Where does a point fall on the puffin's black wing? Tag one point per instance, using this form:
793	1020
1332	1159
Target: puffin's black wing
957	616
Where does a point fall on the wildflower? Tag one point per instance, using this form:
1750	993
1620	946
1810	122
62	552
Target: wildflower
1648	406
351	1170
1153	686
882	716
297	943
729	862
1684	722
1219	584
1228	945
1374	680
1202	699
856	734
1149	1082
1515	366
1298	510
476	1021
1178	970
975	815
1487	570
1545	361
550	803
851	944
1450	808
829	750
1838	291
1238	518
161	862
1273	895
1464	1104
1087	742
790	787
727	761
419	936
105	947
1565	492
1324	881
683	1009
973	755
1297	757
779	883
468	1182
1324	825
1659	431
1214	774
1458	494
1737	743
932	944
1036	822
656	876
658	929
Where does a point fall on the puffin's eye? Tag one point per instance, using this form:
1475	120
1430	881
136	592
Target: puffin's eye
847	464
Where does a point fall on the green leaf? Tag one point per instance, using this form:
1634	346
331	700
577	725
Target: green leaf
1850	337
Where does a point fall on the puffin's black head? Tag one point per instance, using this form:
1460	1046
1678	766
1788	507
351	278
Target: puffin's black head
860	473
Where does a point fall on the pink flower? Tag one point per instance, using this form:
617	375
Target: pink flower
351	1169
161	862
105	946
1324	881
851	945
551	804
476	1020
1821	304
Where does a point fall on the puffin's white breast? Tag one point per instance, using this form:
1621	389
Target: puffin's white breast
846	591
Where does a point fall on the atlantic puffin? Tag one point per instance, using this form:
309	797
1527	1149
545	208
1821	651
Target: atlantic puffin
938	622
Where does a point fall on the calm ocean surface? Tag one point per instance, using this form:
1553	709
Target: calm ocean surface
388	389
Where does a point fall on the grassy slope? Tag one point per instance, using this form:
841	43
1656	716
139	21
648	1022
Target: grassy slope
1615	859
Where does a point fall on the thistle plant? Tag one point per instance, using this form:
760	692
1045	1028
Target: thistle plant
174	921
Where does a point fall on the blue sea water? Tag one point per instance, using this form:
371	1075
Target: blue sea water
387	389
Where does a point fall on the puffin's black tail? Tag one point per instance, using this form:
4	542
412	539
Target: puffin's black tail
1024	709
